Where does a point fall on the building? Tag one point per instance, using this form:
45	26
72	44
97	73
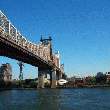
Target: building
88	78
107	72
99	74
6	72
108	76
71	79
62	82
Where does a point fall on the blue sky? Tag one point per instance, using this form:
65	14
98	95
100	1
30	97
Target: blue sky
80	30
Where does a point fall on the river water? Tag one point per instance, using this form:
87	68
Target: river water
56	99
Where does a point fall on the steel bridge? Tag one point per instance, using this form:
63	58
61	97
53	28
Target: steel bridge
15	46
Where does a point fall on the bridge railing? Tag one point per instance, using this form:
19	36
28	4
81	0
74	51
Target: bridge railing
8	31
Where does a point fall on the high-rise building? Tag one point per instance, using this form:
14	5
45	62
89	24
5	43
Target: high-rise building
6	72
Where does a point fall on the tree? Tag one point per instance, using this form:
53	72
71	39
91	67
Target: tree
2	84
102	78
17	83
33	84
8	83
92	80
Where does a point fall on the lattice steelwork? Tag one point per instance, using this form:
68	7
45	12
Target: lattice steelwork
8	31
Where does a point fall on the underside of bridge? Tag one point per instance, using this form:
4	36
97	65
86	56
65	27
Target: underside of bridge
15	46
11	50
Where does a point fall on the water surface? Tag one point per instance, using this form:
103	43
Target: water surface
56	99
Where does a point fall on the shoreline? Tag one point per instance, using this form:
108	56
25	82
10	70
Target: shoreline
70	87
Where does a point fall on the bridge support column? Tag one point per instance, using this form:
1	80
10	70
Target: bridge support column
45	75
53	79
60	76
40	79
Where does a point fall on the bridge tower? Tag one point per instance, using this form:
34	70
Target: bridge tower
42	72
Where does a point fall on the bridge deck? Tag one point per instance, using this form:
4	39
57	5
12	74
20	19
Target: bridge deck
15	46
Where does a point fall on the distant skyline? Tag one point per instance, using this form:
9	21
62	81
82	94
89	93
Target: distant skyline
80	30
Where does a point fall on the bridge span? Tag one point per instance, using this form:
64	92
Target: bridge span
15	46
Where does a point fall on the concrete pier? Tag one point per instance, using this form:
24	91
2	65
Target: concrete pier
46	75
60	76
40	78
53	77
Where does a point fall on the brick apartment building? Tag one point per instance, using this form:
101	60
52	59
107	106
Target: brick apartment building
6	72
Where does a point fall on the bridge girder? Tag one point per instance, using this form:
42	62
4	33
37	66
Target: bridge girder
11	50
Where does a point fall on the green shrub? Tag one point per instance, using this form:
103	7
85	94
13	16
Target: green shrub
33	84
